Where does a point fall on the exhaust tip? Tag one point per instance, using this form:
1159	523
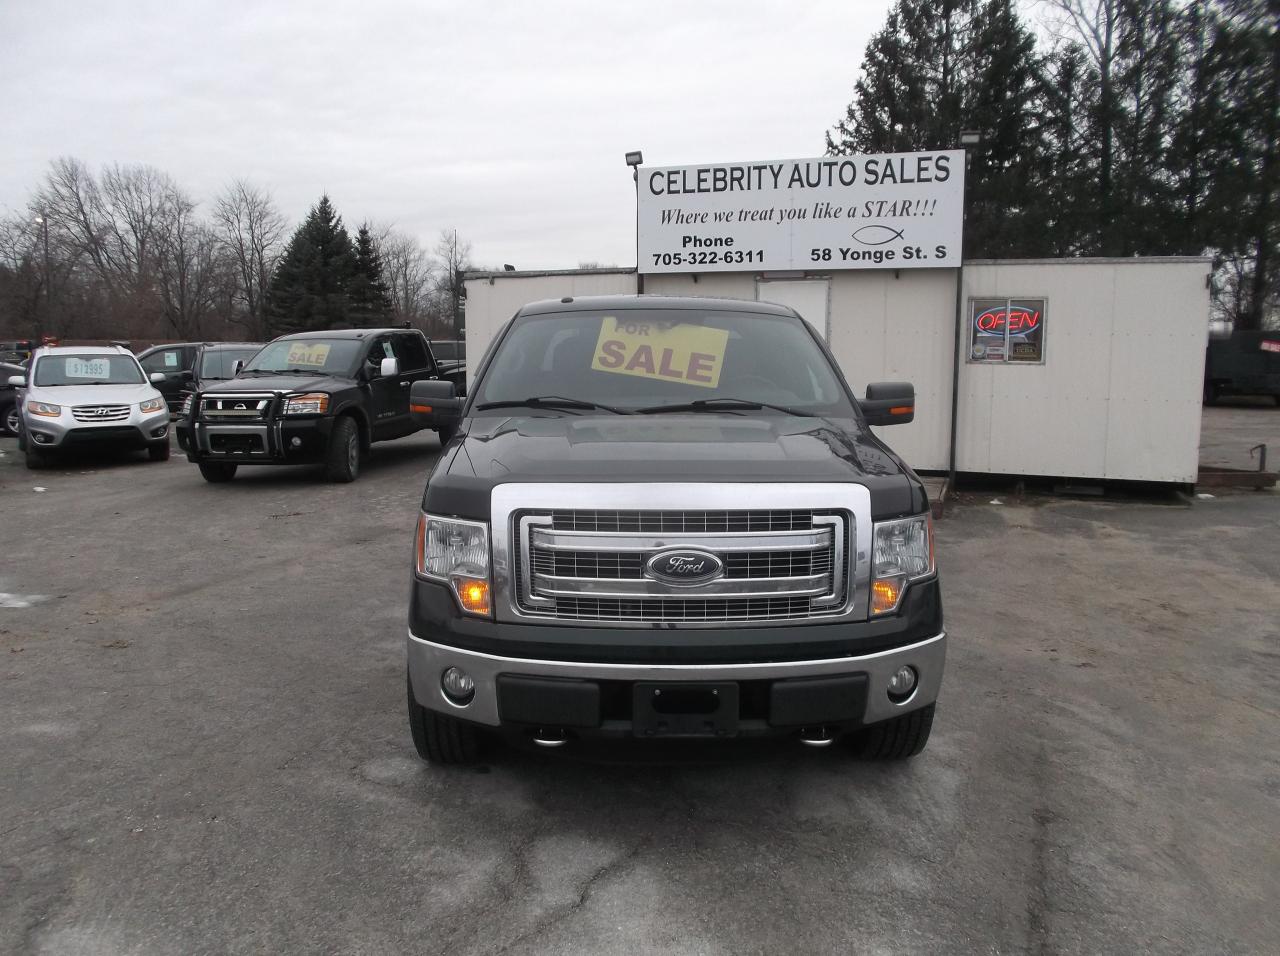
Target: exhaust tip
550	738
817	737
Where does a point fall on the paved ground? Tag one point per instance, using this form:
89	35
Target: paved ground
1229	430
204	748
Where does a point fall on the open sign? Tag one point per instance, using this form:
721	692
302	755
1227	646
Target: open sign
1019	321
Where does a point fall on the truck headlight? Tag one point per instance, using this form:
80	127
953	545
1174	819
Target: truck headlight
312	403
456	552
151	405
903	553
47	409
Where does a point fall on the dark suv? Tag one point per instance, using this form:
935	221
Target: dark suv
668	517
312	397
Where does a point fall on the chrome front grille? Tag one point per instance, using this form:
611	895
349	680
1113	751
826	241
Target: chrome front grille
100	413
237	408
681	522
591	565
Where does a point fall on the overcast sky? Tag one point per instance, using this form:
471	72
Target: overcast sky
506	120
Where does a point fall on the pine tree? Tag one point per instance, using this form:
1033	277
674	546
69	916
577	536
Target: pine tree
940	66
370	298
311	286
907	97
1000	81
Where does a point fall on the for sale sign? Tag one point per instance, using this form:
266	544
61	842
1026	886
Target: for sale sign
890	211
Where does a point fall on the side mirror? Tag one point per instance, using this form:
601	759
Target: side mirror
18	381
889	403
434	403
389	367
187	375
158	376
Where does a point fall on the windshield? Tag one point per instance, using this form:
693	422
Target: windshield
221	363
643	359
87	369
316	356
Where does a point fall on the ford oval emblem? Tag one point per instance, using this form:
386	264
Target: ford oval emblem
685	567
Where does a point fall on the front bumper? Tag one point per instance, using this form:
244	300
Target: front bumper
136	431
610	684
300	441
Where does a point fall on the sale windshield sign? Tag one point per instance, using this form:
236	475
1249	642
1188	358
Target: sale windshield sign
889	211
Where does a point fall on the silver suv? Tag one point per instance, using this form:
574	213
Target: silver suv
76	396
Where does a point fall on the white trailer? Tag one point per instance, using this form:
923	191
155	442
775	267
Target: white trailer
1071	368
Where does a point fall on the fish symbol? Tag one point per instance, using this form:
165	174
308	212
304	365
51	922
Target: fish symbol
876	235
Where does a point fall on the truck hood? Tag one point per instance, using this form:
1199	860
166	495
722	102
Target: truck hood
277	383
675	447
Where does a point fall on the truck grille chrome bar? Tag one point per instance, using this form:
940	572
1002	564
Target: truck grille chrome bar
238	408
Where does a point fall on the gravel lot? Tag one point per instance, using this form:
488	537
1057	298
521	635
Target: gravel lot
204	747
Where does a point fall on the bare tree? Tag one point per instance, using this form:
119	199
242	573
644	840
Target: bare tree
409	273
454	258
192	270
23	295
251	229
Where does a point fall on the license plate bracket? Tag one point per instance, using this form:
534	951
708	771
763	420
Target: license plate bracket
684	709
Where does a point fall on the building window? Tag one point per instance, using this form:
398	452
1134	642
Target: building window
1009	330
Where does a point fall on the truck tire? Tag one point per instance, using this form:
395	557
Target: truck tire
440	739
896	739
342	460
216	471
159	451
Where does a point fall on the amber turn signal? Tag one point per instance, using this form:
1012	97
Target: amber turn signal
884	596
473	594
421	409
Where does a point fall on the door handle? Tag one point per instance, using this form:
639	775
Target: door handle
405	384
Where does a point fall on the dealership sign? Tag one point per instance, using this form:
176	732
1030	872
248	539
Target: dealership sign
891	211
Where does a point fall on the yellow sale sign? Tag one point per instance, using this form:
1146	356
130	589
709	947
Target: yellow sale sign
692	354
307	354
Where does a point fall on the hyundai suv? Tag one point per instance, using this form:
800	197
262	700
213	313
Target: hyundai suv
76	396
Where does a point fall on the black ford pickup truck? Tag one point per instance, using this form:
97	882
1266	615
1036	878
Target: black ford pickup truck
312	397
667	517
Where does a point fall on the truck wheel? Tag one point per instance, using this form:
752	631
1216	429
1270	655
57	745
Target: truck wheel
10	422
159	451
36	458
216	471
440	739
896	739
342	461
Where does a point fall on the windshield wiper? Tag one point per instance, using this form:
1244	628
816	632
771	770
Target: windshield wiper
276	371
719	404
550	401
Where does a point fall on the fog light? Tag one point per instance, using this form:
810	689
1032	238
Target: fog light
458	685
902	683
295	441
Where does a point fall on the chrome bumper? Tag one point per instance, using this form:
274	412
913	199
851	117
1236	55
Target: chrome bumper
427	661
